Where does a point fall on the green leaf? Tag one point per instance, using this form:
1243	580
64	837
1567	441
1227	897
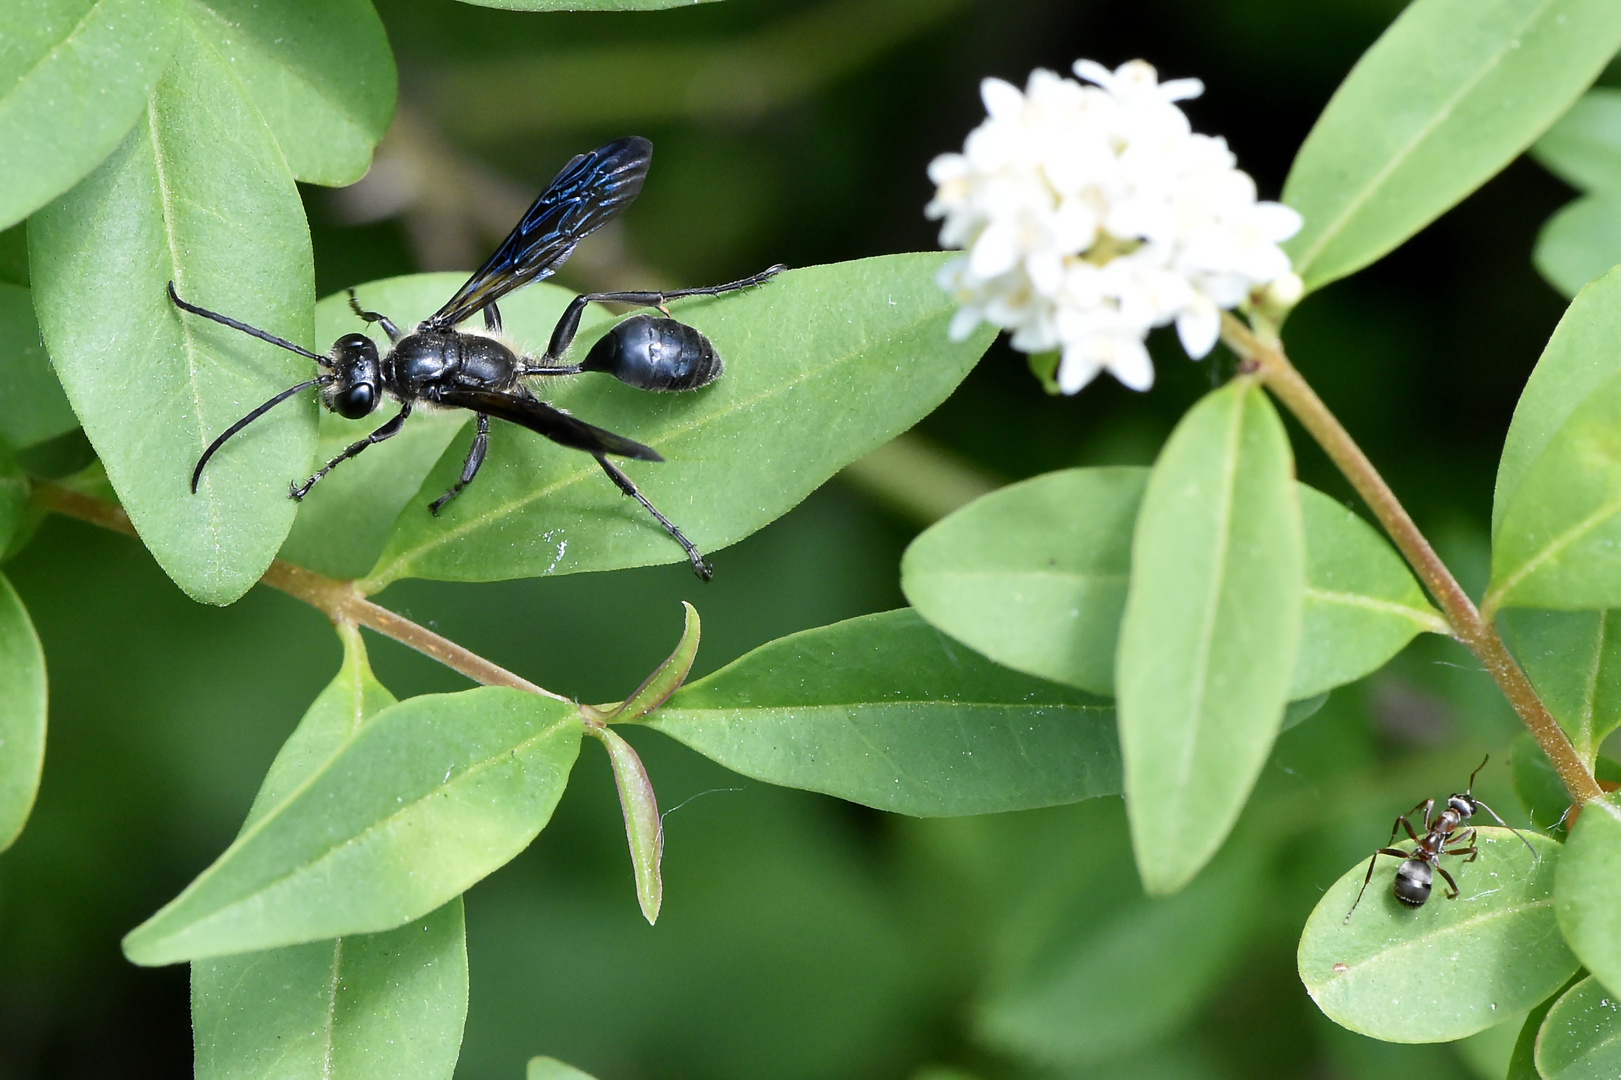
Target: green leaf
1573	659
1034	576
198	193
886	711
385	1005
644	829
1447	969
1559	542
1521	1063
1580	1039
22	713
367	1006
1538	787
1211	629
344	521
665	680
1451	92
1580	243
1129	978
583	5
74	76
321	75
1298	712
14	255
32	405
1579	359
432	794
545	1068
1589	881
1584	147
822	365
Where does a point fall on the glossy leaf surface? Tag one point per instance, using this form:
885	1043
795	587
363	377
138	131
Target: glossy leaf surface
1522	1061
198	193
321	76
22	713
1573	658
1580	1038
1034	576
1589	881
822	365
388	1004
432	794
1451	92
74	77
1580	243
1211	629
1584	147
32	405
886	711
1447	969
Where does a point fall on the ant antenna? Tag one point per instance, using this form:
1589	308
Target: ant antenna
1534	853
1476	773
253	331
319	380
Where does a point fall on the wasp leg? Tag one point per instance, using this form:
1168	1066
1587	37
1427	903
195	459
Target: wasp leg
492	318
384	321
387	431
569	324
699	566
1453	895
470	467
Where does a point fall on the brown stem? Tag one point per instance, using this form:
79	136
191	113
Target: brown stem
340	601
1267	358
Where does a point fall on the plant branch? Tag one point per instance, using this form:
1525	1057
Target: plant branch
1267	359
339	601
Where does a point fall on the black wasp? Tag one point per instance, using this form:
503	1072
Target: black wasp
1416	874
437	365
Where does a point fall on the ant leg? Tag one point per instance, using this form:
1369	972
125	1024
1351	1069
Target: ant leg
470	467
569	324
1453	895
384	321
387	431
492	318
699	567
1396	853
1403	823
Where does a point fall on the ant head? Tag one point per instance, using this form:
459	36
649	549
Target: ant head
1464	805
1413	880
356	388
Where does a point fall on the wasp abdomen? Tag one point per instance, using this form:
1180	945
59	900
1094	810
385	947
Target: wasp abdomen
652	353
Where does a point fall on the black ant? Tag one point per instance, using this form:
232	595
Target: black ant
1419	866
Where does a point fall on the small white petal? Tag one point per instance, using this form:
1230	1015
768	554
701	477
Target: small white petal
1199	326
1276	221
1094	72
995	252
964	323
1131	363
1180	89
1003	101
1076	368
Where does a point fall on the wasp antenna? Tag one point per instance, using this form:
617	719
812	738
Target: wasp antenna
197	473
1510	828
253	331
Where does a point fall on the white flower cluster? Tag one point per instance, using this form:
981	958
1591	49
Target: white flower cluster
1091	214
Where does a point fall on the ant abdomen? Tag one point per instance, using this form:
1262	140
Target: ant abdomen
652	353
1413	882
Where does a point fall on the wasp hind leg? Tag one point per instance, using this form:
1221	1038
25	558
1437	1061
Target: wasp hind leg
699	566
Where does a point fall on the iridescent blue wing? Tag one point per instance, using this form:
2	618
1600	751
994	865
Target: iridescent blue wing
591	189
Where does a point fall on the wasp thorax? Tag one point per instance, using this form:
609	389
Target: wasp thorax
651	353
356	392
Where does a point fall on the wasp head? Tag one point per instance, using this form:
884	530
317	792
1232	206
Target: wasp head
356	388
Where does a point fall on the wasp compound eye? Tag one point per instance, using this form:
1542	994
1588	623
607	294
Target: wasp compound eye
651	353
354	402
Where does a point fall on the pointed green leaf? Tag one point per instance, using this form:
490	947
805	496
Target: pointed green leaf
22	713
198	193
321	75
644	829
1573	659
1559	542
1580	243
1521	1063
1580	1039
74	75
1451	92
886	711
32	405
1128	979
822	365
344	521
1447	969
365	1007
545	1068
1589	882
1211	629
432	794
657	687
1584	147
1580	357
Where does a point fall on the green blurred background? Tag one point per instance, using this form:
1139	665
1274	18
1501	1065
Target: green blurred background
801	937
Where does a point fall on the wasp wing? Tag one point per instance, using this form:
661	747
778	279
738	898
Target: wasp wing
591	189
550	421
